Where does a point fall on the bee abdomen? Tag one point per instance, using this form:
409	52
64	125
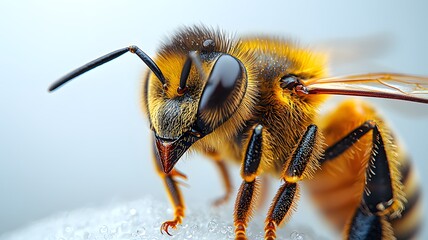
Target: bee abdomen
340	184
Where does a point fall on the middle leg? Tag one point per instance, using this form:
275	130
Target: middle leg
221	166
301	165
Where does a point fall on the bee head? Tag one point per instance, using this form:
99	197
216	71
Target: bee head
204	88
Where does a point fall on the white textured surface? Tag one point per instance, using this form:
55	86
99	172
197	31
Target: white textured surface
140	220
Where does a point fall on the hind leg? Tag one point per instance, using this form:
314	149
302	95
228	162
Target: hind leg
359	186
370	218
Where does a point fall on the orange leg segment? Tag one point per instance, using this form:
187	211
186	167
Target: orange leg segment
174	195
243	207
176	198
226	182
221	165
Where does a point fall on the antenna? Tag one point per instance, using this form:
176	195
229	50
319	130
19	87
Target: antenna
107	58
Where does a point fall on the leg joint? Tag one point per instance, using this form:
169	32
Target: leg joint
302	155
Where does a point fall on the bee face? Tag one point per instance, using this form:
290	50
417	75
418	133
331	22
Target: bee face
205	103
209	90
172	115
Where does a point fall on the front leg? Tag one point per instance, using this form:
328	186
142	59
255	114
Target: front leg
174	194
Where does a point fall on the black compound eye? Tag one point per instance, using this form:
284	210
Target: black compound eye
225	74
208	45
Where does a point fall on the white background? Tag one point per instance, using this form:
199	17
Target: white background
88	144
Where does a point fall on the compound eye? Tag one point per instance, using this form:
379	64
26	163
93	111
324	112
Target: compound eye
222	94
224	77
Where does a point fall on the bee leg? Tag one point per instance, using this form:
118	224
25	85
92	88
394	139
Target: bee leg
174	195
221	165
284	199
288	193
247	193
346	142
382	179
370	218
176	199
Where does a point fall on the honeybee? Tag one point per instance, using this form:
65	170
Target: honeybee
254	101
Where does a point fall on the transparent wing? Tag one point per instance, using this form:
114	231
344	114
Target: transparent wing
380	85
